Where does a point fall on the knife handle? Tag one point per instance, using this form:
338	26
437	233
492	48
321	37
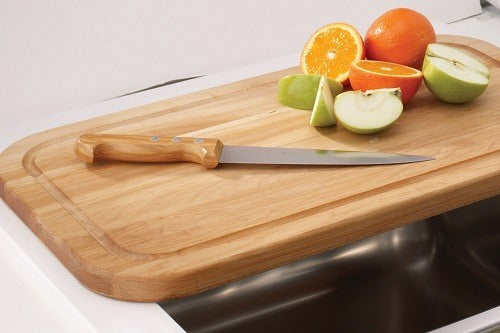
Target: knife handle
142	148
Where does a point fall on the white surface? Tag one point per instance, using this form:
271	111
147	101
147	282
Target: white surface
58	55
38	293
484	26
475	323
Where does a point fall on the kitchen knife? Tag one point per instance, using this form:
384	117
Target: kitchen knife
210	152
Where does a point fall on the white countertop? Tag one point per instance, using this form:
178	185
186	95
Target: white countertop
38	293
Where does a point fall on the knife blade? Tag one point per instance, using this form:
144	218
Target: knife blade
210	152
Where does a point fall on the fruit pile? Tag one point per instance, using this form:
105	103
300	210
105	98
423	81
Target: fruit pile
384	71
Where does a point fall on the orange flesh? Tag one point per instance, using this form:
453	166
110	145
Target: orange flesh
331	53
386	68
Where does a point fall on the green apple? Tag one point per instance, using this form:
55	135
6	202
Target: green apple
299	90
322	114
452	75
368	112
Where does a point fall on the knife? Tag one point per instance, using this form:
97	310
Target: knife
210	152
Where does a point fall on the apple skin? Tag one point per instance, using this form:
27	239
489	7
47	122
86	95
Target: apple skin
363	131
396	92
446	87
299	91
320	118
323	114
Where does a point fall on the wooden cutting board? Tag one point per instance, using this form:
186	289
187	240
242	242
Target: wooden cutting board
151	232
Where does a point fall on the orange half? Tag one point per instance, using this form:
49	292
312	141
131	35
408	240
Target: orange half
331	50
371	74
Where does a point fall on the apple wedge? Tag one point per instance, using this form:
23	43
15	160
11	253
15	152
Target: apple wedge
452	75
322	114
299	90
368	112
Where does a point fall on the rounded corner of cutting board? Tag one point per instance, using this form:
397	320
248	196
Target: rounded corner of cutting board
17	158
16	163
23	145
12	167
133	288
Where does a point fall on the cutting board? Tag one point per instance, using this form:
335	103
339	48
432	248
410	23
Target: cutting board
152	232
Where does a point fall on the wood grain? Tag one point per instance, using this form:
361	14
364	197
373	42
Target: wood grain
142	148
151	232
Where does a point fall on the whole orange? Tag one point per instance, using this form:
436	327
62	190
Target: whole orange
400	35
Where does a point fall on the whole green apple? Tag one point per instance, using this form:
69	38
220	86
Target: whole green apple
452	75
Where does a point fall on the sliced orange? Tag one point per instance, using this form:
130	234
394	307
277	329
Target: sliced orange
331	50
371	74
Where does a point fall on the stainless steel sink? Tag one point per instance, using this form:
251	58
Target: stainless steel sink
412	279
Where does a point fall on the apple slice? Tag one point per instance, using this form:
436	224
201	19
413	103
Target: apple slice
322	114
452	75
299	90
368	112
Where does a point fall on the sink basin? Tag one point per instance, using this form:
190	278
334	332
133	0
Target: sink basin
416	278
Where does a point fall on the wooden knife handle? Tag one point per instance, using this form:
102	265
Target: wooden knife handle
141	148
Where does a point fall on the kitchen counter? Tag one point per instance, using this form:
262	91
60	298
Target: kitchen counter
38	293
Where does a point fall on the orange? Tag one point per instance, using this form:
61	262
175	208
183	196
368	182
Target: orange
331	50
370	74
400	35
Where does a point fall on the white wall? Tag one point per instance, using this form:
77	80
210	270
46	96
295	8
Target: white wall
56	55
